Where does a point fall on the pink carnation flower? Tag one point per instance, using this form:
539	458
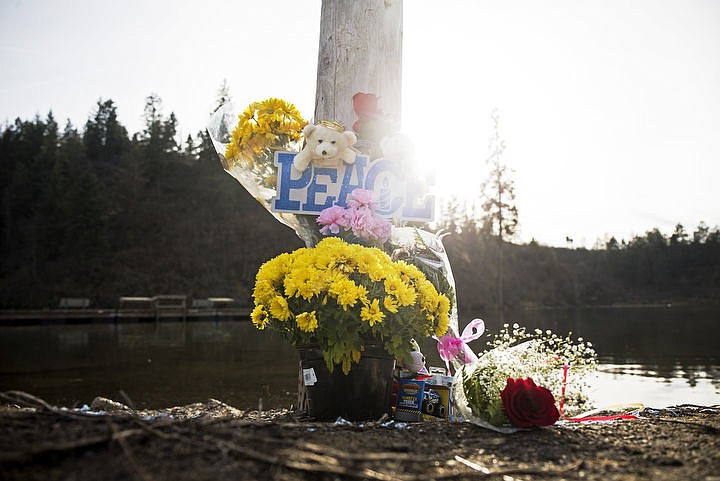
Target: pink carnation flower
359	217
366	225
361	198
332	219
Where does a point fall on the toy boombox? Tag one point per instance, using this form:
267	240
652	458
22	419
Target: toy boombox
427	399
437	403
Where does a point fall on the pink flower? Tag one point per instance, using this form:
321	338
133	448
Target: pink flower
366	225
361	198
381	229
332	219
359	217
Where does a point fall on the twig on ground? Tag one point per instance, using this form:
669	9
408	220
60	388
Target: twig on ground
711	429
24	399
116	436
485	472
129	401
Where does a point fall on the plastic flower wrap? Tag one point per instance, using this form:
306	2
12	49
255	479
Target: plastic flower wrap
339	295
425	250
246	144
524	380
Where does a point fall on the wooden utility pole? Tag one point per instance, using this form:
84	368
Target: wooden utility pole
360	51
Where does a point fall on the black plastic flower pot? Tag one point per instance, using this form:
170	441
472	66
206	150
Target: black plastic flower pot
364	394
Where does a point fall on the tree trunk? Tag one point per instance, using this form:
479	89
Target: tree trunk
360	51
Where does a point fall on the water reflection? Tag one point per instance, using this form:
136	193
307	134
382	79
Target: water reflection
654	356
664	342
155	365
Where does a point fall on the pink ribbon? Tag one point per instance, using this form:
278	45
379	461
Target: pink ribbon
450	346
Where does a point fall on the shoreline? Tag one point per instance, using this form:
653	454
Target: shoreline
213	440
33	317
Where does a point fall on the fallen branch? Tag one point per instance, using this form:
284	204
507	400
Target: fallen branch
711	429
116	436
21	398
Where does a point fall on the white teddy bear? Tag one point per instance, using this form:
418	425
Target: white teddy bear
397	146
326	145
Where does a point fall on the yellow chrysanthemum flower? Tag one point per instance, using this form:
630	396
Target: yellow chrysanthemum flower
406	295
345	292
390	304
309	282
264	125
263	291
372	313
443	323
259	317
279	308
307	321
443	304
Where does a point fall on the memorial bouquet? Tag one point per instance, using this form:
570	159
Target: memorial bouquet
398	278
246	144
339	295
262	128
523	379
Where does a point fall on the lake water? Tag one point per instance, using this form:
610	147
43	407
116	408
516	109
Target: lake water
658	357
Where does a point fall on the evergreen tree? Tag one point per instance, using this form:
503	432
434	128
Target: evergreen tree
223	95
86	234
499	212
158	143
450	215
190	148
701	233
207	156
104	137
152	142
169	131
28	171
48	218
612	244
680	236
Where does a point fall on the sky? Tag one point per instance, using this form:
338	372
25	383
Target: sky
610	110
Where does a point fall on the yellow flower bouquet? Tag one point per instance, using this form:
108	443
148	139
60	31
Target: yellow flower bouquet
247	143
263	127
341	295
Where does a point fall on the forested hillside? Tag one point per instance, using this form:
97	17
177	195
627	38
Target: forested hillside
97	213
534	275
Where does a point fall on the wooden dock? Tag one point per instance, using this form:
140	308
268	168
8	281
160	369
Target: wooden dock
25	317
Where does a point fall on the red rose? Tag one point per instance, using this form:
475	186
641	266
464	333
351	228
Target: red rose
528	405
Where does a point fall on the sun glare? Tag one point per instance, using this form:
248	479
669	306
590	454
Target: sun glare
454	161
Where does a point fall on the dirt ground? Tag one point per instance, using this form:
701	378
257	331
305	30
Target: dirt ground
212	441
